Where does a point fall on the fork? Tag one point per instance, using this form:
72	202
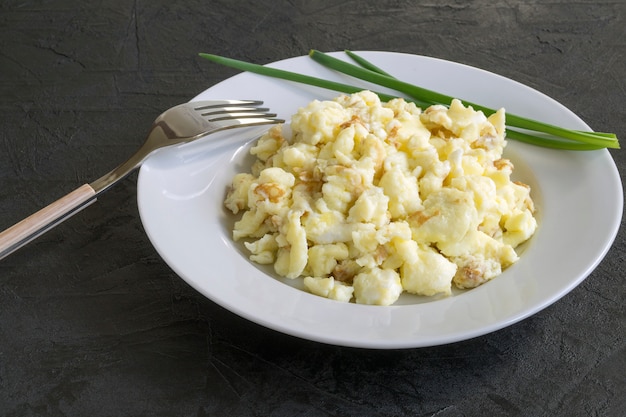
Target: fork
180	124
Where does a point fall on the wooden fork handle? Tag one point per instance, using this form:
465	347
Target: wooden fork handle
45	219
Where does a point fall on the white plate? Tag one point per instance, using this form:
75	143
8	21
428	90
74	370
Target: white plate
578	196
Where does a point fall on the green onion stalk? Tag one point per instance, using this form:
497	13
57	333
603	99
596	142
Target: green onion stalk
518	128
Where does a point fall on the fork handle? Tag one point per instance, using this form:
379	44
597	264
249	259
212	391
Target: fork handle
45	219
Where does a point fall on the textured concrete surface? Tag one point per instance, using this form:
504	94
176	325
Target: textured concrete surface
93	323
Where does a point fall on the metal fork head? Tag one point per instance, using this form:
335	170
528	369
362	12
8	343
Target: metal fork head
189	121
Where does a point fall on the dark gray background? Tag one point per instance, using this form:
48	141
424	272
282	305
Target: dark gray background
93	323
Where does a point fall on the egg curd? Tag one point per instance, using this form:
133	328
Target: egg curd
366	200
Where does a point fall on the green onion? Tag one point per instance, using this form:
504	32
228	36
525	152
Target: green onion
365	63
550	142
559	138
288	75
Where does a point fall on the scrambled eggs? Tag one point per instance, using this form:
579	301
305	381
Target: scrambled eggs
366	200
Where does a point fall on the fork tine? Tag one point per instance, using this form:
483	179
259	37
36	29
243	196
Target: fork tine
233	113
226	123
212	104
221	110
243	115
